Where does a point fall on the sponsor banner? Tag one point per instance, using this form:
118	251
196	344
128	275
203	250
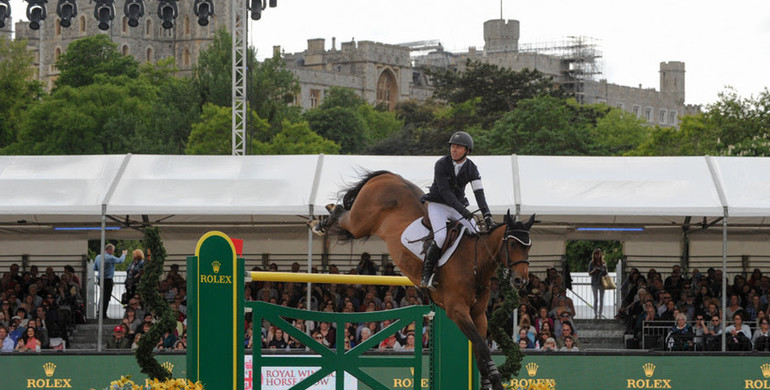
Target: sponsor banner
283	378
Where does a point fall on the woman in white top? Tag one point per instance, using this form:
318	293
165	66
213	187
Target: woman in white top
736	342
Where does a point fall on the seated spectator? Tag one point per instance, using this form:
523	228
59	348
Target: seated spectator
680	337
700	330
389	343
567	330
563	317
761	338
118	339
276	339
29	341
542	318
754	306
135	344
738	335
42	332
6	343
569	345
650	314
713	332
524	336
550	345
408	344
733	307
542	336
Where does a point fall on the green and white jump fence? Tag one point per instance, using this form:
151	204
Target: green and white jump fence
215	329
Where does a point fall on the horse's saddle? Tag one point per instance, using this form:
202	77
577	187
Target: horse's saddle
415	235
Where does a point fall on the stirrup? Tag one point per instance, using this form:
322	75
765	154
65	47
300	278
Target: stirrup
429	285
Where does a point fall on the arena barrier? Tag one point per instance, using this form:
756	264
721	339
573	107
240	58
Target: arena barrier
215	353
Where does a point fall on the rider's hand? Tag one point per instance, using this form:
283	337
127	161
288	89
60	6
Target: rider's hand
467	214
488	221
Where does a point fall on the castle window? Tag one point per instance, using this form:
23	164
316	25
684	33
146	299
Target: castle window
56	56
186	57
662	116
125	25
124	50
636	110
648	114
315	97
149	55
619	105
82	24
186	25
57	23
148	28
672	117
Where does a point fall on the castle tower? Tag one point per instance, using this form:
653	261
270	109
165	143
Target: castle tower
501	35
672	80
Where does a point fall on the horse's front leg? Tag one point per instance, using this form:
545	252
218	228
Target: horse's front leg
461	315
479	316
321	225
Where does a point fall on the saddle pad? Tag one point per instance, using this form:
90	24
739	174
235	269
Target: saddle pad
412	239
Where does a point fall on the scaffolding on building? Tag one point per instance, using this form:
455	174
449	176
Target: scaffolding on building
581	60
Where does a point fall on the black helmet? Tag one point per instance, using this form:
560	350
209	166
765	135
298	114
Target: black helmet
462	138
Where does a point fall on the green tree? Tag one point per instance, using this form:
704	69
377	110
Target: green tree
17	92
102	117
544	125
212	74
296	138
578	254
339	124
498	89
619	132
341	97
91	56
213	133
272	91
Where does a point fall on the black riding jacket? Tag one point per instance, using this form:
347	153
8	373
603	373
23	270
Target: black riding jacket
450	189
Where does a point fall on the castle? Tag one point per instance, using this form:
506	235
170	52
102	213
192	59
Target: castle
380	73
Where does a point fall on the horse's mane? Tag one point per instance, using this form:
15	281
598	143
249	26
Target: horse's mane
349	194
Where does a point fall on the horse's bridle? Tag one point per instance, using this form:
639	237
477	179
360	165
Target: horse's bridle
506	239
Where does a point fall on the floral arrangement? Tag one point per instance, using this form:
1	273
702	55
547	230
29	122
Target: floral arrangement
125	383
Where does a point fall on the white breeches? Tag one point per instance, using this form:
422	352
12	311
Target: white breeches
439	213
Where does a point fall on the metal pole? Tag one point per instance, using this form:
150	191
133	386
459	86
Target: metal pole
240	43
309	260
724	279
100	308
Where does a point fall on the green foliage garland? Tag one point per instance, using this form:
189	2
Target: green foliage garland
513	355
148	288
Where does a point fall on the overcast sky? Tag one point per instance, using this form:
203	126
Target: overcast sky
721	42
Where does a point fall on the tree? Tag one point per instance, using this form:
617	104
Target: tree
91	56
339	124
99	118
17	92
272	91
212	74
578	254
213	134
498	89
618	132
296	138
544	125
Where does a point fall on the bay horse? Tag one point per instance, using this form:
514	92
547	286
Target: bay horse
384	204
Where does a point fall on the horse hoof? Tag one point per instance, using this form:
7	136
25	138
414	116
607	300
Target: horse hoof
315	227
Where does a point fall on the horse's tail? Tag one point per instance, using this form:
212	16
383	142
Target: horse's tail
350	194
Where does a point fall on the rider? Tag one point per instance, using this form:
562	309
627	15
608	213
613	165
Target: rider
446	199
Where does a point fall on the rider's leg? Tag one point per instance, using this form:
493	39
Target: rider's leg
438	214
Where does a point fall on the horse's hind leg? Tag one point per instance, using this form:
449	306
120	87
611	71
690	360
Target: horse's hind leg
486	366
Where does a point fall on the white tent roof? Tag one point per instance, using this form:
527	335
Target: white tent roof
199	188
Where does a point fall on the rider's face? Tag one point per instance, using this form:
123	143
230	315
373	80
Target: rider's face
457	152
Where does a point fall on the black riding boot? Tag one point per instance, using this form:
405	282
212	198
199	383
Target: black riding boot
432	254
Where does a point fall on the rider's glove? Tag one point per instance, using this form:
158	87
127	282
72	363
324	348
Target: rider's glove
467	214
488	221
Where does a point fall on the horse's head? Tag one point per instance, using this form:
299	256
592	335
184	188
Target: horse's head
516	244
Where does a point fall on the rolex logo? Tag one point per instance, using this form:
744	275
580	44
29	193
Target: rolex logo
49	368
765	370
168	366
649	369
215	265
531	368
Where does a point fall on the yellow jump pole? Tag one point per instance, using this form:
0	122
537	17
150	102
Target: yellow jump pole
378	280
